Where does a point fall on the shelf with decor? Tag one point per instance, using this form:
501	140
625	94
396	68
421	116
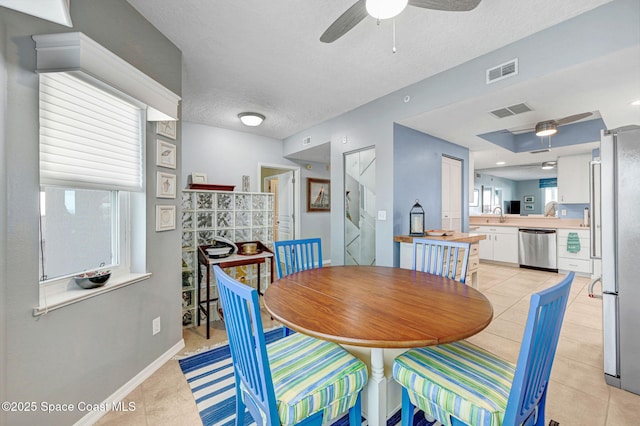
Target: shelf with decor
235	216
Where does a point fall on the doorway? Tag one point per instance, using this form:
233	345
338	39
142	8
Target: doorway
360	206
283	182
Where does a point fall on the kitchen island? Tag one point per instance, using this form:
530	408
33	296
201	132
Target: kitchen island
406	251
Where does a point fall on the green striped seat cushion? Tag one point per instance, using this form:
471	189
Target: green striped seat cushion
310	375
457	379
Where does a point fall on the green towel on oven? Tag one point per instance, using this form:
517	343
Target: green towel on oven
573	242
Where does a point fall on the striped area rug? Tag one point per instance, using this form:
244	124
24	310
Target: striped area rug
210	376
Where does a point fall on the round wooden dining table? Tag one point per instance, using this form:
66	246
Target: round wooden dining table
377	307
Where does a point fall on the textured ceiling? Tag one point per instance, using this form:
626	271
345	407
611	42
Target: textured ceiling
265	56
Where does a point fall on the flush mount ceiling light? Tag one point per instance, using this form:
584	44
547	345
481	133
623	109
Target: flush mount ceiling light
251	119
385	9
546	128
548	165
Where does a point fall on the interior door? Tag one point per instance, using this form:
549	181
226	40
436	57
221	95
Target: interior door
360	205
285	206
451	193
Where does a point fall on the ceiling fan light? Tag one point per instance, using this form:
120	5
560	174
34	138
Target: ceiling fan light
548	165
546	128
251	119
385	9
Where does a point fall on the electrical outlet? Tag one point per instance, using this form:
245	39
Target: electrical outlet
156	326
382	215
563	212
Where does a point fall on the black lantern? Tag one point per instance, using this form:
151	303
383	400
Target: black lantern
416	220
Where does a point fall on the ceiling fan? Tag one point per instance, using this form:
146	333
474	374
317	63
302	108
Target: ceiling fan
384	9
550	127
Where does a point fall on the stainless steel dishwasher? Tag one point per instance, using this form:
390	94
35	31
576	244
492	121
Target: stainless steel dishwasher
537	249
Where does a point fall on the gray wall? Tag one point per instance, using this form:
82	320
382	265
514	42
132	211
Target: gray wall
604	30
88	350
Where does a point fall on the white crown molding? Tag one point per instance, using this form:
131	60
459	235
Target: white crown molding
74	51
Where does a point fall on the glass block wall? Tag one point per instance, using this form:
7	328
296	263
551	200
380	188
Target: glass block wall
237	216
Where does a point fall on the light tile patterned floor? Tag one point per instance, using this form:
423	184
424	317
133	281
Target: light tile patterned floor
578	394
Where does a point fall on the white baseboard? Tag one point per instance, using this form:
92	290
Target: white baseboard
93	416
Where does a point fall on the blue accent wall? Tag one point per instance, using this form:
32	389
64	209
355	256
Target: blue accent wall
417	173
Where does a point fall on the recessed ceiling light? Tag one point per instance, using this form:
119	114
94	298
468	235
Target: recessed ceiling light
251	119
636	103
500	163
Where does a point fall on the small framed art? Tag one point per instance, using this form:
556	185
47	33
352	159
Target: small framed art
166	128
528	199
198	178
318	195
166	185
528	206
165	154
165	218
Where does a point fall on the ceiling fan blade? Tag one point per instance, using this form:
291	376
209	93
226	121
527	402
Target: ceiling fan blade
448	5
572	118
345	22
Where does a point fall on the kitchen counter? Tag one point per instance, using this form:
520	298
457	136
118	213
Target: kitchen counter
406	251
458	236
526	222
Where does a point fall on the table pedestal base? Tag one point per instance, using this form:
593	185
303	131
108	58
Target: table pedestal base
382	397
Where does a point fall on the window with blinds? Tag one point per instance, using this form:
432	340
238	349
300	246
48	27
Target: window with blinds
89	138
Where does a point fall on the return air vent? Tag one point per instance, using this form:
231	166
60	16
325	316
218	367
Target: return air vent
511	110
306	141
540	151
508	69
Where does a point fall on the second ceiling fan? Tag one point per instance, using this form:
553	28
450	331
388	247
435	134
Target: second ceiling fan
384	9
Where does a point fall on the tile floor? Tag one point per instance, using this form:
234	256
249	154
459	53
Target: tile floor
578	394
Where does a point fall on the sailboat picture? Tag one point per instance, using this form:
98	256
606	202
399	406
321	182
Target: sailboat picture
318	195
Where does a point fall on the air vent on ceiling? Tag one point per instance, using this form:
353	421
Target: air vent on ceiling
306	141
540	151
508	69
511	110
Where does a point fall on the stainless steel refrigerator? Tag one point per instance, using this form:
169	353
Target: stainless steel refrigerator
615	235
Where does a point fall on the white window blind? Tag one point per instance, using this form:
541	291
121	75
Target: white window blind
88	137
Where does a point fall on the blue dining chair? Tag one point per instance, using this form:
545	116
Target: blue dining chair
461	383
441	258
294	380
297	255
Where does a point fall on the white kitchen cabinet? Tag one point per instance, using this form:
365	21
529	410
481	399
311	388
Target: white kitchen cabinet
451	194
501	244
573	179
580	261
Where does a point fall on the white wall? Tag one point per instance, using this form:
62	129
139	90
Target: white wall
226	155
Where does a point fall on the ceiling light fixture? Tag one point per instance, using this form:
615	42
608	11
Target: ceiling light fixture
546	128
636	103
500	163
548	165
251	119
385	9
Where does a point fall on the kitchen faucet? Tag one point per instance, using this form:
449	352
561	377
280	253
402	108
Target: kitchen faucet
502	218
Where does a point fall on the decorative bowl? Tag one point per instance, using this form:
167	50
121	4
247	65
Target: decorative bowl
93	279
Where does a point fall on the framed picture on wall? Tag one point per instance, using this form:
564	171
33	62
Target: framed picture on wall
528	206
165	154
165	185
166	128
318	195
165	218
529	199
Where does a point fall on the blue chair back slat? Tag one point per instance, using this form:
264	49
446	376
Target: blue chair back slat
441	257
297	255
248	346
546	312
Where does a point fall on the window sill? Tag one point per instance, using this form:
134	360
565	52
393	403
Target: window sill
52	299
